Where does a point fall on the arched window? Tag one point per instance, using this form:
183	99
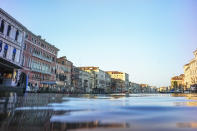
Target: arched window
16	36
14	54
9	29
5	50
2	26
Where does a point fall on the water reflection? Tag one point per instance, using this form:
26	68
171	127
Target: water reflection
85	125
187	125
97	112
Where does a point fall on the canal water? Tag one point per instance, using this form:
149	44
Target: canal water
58	112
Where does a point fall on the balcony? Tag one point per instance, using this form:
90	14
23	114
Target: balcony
41	71
11	40
42	58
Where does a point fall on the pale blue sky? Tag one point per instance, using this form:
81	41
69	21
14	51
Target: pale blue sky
149	39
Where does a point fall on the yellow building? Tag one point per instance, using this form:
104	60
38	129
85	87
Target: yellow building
190	71
177	82
162	89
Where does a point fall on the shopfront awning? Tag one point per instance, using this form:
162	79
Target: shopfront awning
48	82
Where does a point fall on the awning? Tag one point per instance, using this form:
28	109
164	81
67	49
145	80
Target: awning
48	82
60	83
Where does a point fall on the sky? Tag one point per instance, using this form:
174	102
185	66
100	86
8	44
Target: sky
149	39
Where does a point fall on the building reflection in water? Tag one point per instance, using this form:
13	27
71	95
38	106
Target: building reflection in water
56	126
187	125
193	101
18	112
38	120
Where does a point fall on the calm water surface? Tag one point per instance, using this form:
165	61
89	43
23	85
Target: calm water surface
56	112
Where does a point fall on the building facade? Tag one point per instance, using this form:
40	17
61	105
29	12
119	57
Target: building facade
190	71
134	88
120	81
177	83
39	61
82	81
108	83
11	49
100	79
64	73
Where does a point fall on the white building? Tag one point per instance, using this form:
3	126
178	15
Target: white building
11	49
190	72
99	78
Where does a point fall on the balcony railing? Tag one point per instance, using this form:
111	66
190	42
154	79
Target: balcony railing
41	57
41	71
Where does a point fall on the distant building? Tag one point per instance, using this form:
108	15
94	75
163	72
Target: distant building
99	78
120	81
82	81
108	82
12	34
153	89
177	83
190	71
162	89
145	88
135	88
64	72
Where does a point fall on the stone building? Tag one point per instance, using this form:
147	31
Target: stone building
190	71
177	83
64	73
134	88
39	61
145	88
162	89
108	83
99	78
82	81
120	81
11	49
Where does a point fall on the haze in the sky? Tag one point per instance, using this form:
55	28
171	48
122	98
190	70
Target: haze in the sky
149	39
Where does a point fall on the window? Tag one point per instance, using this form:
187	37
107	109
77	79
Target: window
23	60
53	59
1	44
9	29
26	36
2	26
5	50
17	33
30	49
42	45
25	46
14	54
